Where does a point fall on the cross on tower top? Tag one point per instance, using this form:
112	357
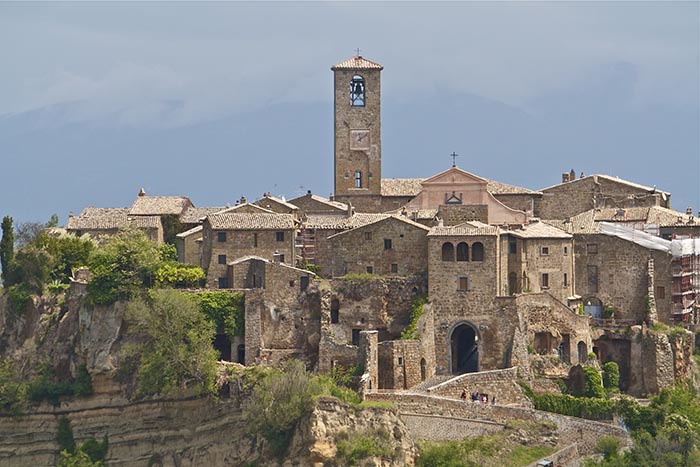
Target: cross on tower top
357	50
454	157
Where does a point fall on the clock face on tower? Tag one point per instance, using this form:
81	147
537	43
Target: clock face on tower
359	139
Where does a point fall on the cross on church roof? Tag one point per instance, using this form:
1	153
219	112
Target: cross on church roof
358	51
454	157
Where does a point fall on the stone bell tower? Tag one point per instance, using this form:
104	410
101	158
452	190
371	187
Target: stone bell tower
358	140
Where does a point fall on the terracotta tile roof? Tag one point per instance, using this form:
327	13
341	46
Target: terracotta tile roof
583	223
109	219
357	62
342	223
401	186
192	231
498	188
612	179
539	230
588	222
320	199
378	220
159	205
243	207
277	200
196	215
464	230
245	221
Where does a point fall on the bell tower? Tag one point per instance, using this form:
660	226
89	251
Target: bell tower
358	137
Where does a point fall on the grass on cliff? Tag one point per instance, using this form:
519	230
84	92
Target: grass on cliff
519	444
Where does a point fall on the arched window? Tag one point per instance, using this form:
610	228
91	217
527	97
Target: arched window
478	251
448	252
358	179
462	252
335	310
357	91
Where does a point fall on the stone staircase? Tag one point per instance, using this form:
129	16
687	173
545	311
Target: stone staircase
431	382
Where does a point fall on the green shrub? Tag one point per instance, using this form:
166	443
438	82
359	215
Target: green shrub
593	386
174	351
46	386
417	311
358	446
178	275
12	388
19	297
225	309
96	450
611	377
64	435
359	278
77	459
608	446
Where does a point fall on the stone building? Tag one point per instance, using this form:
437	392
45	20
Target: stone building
392	245
230	236
102	222
310	203
576	195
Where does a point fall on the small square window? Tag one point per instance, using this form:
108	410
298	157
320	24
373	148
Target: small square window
279	236
400	361
394	268
368	235
223	282
566	250
291	283
544	250
387	244
545	281
222	259
370	269
255	240
281	258
221	236
592	248
463	283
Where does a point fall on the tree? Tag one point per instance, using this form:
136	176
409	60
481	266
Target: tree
121	267
174	352
611	377
7	249
594	384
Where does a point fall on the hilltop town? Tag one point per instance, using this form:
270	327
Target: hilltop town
436	284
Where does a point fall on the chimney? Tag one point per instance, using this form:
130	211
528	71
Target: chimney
565	177
308	192
689	210
142	192
243	200
70	214
351	210
572	175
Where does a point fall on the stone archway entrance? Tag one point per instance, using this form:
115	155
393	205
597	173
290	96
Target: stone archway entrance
464	349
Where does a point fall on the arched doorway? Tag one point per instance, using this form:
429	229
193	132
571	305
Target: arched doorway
512	283
582	352
222	343
464	345
422	369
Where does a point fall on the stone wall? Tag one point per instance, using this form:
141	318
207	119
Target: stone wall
499	383
584	433
518	201
400	364
391	246
622	281
441	428
455	214
551	256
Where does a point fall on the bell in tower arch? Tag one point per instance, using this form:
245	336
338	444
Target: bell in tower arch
357	91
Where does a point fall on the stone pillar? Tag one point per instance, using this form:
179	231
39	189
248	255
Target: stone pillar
368	357
652	315
253	326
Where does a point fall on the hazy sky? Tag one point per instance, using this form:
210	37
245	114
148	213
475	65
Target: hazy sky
590	74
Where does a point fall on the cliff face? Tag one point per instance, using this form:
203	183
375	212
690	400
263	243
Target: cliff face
194	432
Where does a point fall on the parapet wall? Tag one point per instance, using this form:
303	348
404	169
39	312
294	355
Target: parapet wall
499	383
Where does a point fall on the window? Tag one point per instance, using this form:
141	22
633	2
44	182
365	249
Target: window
255	240
281	258
355	337
222	259
566	250
304	283
335	310
545	281
292	283
400	361
462	252
370	269
279	236
566	280
592	279
357	91
223	282
368	235
544	250
660	292
221	236
478	251
387	244
512	246
463	283
592	248
394	268
358	179
448	252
